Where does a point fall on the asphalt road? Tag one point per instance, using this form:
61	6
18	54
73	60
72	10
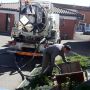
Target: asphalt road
9	77
7	81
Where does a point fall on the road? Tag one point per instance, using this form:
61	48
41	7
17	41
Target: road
9	77
6	80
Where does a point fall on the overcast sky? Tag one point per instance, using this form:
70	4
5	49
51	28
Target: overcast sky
72	2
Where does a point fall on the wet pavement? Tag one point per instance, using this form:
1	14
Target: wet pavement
9	77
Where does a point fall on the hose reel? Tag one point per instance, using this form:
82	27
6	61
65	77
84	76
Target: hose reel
34	19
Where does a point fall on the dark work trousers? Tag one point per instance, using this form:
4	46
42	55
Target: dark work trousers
49	55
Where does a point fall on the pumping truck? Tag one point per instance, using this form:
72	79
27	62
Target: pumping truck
36	28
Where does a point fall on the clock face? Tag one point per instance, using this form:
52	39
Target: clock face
31	19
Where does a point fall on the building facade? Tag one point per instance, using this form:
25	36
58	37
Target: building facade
84	23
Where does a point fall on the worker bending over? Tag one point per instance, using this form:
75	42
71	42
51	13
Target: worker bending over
49	55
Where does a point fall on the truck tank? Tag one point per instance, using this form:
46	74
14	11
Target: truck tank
37	26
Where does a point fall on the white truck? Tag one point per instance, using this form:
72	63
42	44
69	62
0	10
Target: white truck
37	27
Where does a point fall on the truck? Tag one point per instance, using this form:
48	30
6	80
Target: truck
36	28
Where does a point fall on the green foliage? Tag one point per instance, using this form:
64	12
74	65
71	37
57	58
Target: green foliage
37	81
42	82
85	63
84	60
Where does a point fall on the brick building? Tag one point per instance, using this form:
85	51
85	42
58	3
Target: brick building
85	11
9	12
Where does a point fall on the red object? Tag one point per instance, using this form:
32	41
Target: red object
29	54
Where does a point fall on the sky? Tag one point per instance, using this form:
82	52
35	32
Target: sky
72	2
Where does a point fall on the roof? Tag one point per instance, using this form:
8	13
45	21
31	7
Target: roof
66	12
71	7
9	6
57	9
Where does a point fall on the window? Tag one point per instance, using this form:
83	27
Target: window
80	27
87	27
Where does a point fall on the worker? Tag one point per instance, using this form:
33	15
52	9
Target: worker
49	55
